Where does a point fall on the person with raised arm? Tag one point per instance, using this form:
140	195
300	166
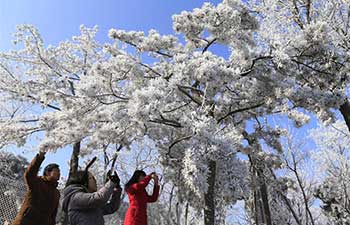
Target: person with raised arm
138	197
42	197
84	204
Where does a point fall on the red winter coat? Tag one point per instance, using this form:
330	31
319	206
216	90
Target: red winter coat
138	198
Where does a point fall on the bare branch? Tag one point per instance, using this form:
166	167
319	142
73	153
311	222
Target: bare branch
251	69
150	69
239	110
167	122
296	13
137	47
308	11
312	68
110	103
179	140
208	45
198	102
176	108
48	105
8	71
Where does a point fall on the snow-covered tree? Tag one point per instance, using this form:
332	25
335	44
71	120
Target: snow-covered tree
101	95
306	44
12	166
333	160
195	105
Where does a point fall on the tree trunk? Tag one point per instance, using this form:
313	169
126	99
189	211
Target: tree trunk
264	198
262	213
261	207
74	160
345	111
186	214
209	210
256	206
73	168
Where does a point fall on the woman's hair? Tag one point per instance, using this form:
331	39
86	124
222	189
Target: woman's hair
81	177
135	178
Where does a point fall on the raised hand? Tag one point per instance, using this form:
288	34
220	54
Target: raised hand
114	177
42	153
154	176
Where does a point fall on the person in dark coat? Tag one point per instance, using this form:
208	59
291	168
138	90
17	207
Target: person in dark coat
41	200
138	197
87	206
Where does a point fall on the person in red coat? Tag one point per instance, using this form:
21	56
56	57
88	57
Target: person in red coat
138	197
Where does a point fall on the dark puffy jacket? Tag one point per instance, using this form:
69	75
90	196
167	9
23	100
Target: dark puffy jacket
85	208
41	201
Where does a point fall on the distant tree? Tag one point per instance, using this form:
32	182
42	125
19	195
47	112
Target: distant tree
333	162
12	166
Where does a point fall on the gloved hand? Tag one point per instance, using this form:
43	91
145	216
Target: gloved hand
113	177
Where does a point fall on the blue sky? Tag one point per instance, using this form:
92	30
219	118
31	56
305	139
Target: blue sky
60	20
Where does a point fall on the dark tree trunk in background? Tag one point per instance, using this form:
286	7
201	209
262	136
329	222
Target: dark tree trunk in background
209	198
73	168
74	160
345	111
264	197
261	208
